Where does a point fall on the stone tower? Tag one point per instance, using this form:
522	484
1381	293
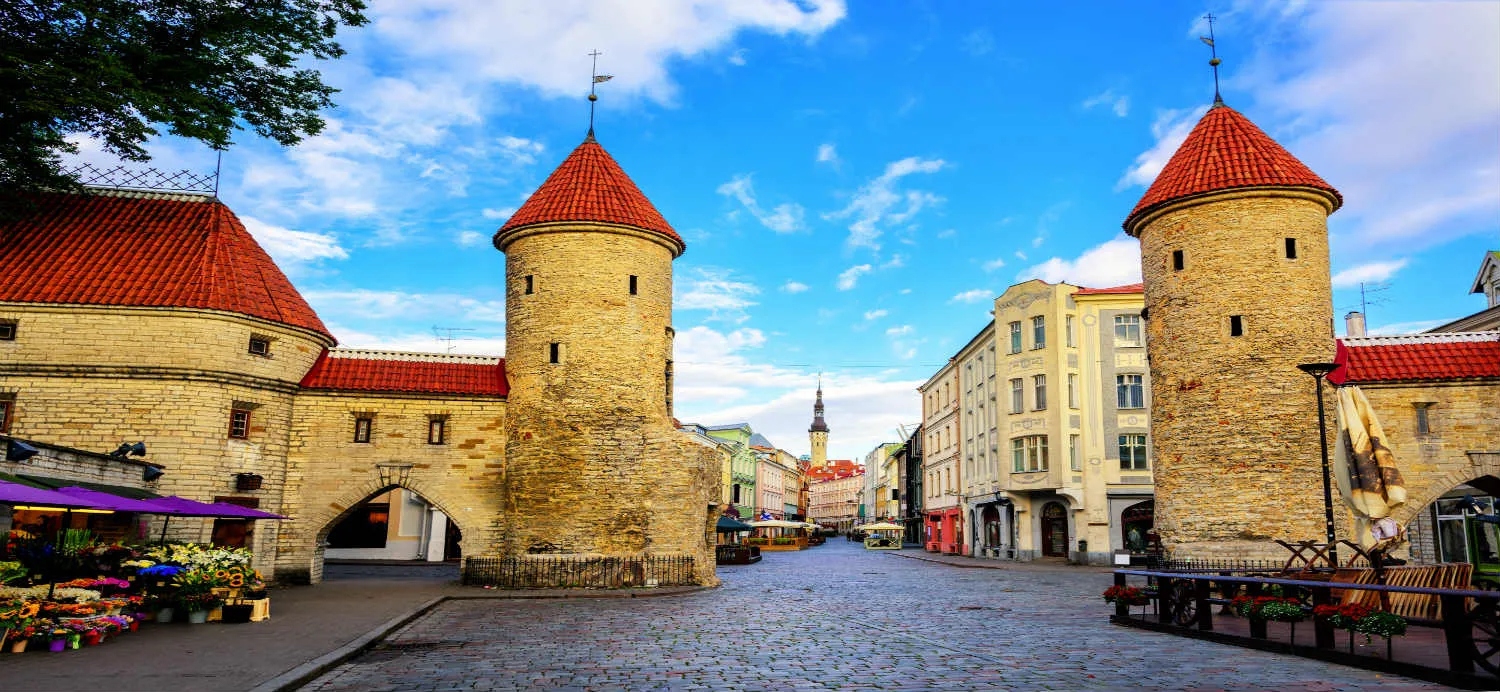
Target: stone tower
1234	254
594	466
817	434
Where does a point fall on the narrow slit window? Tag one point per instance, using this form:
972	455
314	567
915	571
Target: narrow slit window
7	330
1177	260
1291	248
556	352
1424	423
1236	325
362	429
436	430
239	424
530	285
632	284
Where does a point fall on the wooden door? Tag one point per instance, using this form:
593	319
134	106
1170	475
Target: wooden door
1054	530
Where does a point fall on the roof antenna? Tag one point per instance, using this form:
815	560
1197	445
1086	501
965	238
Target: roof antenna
218	167
597	79
1214	60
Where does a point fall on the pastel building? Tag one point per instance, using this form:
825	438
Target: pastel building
942	501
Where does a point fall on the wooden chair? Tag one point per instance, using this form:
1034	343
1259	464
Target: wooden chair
1352	575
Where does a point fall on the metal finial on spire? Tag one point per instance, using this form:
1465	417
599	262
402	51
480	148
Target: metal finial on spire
1213	51
597	79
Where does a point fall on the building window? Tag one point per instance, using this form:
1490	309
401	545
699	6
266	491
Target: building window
1075	455
1236	325
1039	387
530	285
437	429
555	353
1072	390
239	424
1028	453
1038	332
1015	337
1291	248
1133	453
260	346
362	429
1068	331
6	406
1130	391
1017	396
1127	330
1177	262
632	284
1424	423
7	330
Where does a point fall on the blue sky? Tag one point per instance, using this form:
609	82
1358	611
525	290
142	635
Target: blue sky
856	182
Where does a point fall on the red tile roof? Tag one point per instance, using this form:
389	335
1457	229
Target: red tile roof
1423	357
590	186
1226	151
420	373
145	249
1127	288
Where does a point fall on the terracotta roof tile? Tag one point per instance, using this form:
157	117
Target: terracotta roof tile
1127	288
1453	356
1226	151
590	186
148	250
388	371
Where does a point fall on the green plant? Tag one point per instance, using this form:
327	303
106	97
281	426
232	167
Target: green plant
11	571
1380	624
1282	611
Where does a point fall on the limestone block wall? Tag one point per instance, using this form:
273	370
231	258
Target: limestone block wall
330	474
1233	422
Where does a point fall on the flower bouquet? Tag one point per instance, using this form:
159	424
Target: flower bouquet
1130	595
17	639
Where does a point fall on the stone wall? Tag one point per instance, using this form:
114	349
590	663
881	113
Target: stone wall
329	474
1233	422
594	465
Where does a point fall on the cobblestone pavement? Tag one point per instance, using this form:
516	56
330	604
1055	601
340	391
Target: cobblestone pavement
834	617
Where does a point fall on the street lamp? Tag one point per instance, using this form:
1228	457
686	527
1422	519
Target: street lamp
1320	371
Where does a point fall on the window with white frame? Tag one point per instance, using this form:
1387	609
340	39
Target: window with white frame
1073	390
1127	330
1028	453
1039	392
1015	337
1039	332
1017	395
1075	455
1068	331
1130	392
1133	452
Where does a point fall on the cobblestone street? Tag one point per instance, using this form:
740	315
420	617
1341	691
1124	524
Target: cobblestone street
834	617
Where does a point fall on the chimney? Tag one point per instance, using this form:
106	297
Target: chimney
1354	324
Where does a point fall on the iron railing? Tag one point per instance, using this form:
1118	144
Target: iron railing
570	572
1216	566
123	178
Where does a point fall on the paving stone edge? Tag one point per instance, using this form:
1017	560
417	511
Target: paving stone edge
295	678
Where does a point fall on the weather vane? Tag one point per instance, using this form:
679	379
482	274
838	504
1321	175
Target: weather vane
597	79
1214	59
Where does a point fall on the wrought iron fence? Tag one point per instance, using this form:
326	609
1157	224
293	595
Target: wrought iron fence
567	571
123	178
1217	566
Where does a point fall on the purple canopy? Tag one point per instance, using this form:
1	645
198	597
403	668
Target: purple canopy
183	507
18	494
234	511
115	502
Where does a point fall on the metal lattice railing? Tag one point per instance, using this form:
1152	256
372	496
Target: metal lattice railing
567	571
1202	565
123	178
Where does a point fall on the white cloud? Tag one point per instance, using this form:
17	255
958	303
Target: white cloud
850	277
1020	255
1368	273
520	150
794	287
467	343
882	203
291	249
469	238
971	296
1170	128
1407	327
355	304
785	218
1120	104
978	42
994	264
1114	263
498	214
737	58
896	261
827	154
1396	105
902	330
875	314
718	291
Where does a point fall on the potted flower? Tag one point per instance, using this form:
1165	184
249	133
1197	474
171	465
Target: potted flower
17	639
197	604
1130	595
17	615
57	639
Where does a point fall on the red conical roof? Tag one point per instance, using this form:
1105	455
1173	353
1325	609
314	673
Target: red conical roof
145	249
1226	151
590	186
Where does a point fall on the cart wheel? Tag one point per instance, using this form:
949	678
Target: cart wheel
1183	603
1486	620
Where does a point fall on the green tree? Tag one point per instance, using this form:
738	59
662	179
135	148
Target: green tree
117	70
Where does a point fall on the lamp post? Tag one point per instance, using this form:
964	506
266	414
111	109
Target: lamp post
1320	371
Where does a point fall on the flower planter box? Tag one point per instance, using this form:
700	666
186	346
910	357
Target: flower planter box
260	608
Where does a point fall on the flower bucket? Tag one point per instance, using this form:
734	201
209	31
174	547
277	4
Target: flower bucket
75	641
92	639
19	646
57	646
197	617
135	625
165	615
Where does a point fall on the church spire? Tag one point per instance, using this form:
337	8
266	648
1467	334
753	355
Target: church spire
818	424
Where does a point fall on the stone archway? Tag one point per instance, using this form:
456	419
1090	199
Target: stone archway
1425	487
300	559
